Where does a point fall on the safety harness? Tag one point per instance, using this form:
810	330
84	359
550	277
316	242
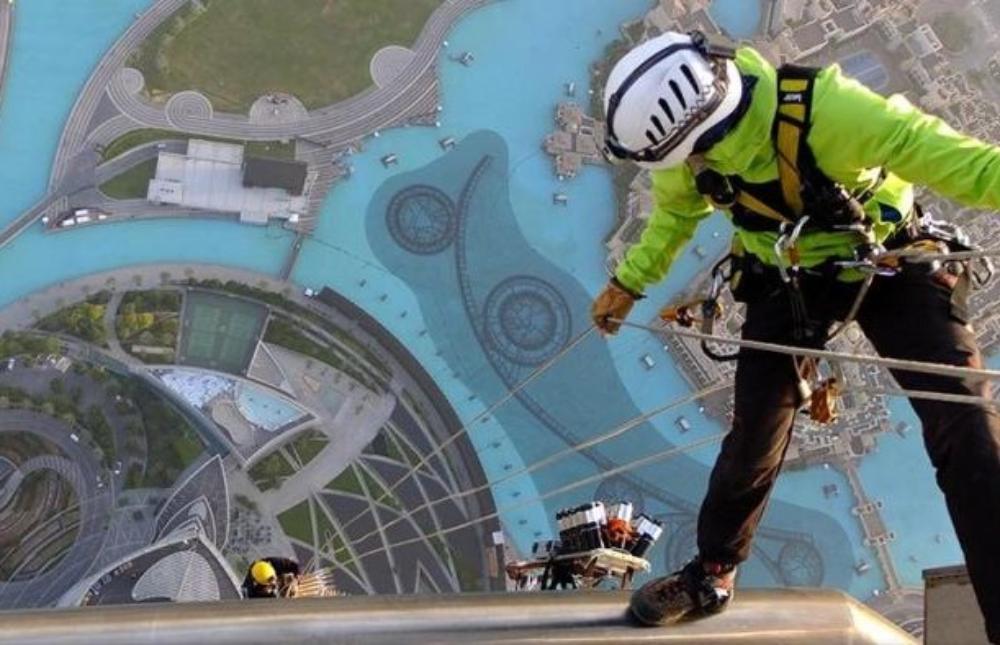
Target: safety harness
802	199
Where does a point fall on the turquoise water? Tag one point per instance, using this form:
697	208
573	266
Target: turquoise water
738	18
519	107
900	474
56	45
265	410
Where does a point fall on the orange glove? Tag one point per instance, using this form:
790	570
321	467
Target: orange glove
615	302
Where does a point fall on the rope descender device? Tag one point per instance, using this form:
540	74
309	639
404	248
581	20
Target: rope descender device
704	312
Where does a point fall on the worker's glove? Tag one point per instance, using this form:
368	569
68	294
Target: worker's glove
614	303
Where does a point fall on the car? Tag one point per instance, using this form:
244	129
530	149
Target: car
11	363
648	361
74	437
117	468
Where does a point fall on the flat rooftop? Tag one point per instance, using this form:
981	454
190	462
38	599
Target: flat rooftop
210	177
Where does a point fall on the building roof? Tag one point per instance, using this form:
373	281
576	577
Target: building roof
809	37
261	172
848	21
210	177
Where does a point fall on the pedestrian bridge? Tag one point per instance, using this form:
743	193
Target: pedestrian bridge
774	616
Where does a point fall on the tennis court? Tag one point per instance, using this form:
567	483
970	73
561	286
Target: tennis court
219	332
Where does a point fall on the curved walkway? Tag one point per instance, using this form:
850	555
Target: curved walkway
6	21
339	124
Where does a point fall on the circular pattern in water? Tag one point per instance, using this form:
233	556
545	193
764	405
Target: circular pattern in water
527	320
801	564
421	219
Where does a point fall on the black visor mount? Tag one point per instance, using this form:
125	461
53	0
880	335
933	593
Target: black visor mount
716	49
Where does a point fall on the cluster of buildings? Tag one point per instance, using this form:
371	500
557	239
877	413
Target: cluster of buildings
219	178
576	142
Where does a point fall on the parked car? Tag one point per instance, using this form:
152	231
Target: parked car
74	437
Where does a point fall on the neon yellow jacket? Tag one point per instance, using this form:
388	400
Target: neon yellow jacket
854	133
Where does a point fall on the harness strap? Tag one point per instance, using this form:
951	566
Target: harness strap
791	128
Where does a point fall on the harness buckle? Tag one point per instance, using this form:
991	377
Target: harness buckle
870	259
785	244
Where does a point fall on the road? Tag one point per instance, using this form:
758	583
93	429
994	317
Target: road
80	468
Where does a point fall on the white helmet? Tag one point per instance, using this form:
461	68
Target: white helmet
665	94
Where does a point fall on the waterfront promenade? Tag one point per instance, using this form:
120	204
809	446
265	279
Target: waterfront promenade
111	105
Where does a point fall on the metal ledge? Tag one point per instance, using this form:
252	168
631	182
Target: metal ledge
780	616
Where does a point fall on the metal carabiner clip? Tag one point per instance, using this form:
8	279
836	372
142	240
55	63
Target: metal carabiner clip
786	244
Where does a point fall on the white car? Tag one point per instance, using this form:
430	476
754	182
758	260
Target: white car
117	468
74	437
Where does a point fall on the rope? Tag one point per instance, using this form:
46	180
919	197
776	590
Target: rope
665	454
618	431
925	395
644	461
922	367
918	255
511	393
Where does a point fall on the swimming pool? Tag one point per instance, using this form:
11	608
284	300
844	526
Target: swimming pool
868	69
265	410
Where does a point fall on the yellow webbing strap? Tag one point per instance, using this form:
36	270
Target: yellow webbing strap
758	207
793	97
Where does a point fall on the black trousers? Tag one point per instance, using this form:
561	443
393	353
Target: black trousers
915	316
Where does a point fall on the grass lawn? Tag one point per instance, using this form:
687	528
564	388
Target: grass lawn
347	482
131	184
308	444
270	471
136	138
297	524
235	51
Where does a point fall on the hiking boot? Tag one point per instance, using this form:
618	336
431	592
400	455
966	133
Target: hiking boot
699	589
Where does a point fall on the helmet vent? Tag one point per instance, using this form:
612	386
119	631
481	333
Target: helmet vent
666	110
689	75
659	126
677	92
652	139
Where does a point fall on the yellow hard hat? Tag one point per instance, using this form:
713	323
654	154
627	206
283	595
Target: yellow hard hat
263	572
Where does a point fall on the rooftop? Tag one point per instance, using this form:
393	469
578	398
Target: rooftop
261	172
210	176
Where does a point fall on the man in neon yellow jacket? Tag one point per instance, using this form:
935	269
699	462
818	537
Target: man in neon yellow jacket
815	173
